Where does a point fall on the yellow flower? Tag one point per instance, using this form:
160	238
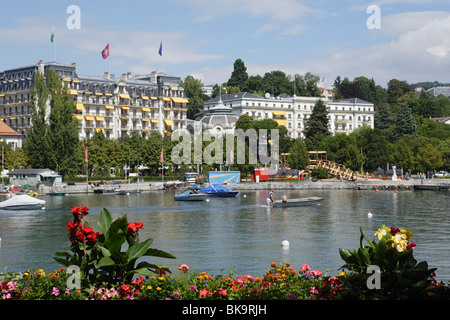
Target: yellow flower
149	288
200	277
158	288
407	233
382	232
342	274
161	279
400	242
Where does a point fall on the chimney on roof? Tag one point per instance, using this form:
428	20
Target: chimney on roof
106	75
74	65
41	66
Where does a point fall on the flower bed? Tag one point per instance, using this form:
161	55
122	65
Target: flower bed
106	273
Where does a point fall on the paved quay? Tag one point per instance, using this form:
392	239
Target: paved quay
371	184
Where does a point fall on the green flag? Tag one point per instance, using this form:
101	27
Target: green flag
53	34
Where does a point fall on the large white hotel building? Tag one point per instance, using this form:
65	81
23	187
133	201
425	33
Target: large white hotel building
114	105
344	115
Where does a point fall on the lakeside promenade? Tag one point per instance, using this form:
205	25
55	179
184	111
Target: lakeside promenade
370	184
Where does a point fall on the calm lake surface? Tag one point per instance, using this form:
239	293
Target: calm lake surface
241	233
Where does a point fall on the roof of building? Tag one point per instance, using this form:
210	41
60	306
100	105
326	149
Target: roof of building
28	171
6	130
353	100
232	96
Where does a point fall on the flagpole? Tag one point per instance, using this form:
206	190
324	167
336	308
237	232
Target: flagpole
87	168
162	169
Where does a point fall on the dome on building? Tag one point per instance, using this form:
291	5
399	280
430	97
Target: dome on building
219	119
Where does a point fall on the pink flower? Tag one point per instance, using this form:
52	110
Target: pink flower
184	268
314	273
313	290
55	291
305	267
221	292
205	292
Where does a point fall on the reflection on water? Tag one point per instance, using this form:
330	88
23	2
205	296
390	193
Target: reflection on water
241	233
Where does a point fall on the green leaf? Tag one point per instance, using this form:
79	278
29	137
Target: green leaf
363	258
142	271
159	253
114	242
104	222
139	249
65	263
105	262
63	254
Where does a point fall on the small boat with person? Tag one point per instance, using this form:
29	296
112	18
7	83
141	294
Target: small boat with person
190	195
293	202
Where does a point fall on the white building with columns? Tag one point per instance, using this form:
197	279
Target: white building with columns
344	115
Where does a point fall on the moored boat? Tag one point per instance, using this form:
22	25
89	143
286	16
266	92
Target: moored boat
114	191
294	202
22	202
190	195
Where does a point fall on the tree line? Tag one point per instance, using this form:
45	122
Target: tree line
404	134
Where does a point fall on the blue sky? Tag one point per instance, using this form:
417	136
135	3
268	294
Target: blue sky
203	38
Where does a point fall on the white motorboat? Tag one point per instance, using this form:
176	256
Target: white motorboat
22	202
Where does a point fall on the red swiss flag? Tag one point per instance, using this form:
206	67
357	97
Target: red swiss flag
105	52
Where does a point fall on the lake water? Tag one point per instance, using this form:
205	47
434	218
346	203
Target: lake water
241	233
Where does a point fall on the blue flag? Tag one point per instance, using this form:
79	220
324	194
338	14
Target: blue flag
160	49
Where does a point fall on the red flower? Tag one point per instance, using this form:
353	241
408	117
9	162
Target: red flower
134	227
78	233
410	246
79	213
394	231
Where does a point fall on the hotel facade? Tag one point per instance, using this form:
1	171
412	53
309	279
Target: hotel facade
292	112
116	106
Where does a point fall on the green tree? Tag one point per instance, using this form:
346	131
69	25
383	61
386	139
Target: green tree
193	89
152	152
239	76
396	89
255	84
277	82
63	128
13	158
317	126
342	149
405	125
384	117
429	158
403	153
375	147
298	156
433	129
36	145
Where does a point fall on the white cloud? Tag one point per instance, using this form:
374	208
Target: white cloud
418	53
281	14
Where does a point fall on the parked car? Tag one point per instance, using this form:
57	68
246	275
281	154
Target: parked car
441	174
